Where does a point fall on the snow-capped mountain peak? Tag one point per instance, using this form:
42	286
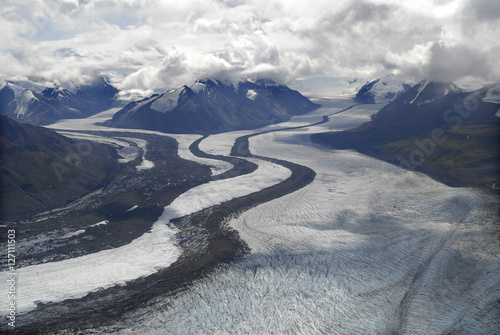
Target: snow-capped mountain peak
382	90
168	101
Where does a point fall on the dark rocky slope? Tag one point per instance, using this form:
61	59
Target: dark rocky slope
41	169
436	129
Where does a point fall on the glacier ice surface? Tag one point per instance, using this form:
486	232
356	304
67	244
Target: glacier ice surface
366	248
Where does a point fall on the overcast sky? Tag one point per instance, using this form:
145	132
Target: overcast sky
146	44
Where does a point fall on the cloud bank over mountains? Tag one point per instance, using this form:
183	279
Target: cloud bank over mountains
152	44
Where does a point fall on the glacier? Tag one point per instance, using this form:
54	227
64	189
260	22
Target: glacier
366	248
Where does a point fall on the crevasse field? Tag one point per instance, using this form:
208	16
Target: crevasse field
366	248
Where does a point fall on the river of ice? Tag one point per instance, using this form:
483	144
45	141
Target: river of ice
366	248
74	278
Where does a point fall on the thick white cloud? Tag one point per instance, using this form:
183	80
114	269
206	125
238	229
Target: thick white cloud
150	44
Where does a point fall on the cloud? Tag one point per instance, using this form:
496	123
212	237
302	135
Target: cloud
484	10
450	63
151	44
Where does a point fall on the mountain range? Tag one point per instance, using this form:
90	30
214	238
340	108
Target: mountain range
38	104
434	128
210	106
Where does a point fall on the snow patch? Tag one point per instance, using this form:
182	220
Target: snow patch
145	165
132	208
75	233
493	95
24	102
167	102
252	95
100	223
420	89
197	87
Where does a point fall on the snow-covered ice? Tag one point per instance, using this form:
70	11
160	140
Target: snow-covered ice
87	124
197	87
219	191
185	140
127	152
75	277
221	144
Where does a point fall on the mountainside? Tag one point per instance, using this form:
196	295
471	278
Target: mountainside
381	90
41	169
434	128
210	106
41	105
